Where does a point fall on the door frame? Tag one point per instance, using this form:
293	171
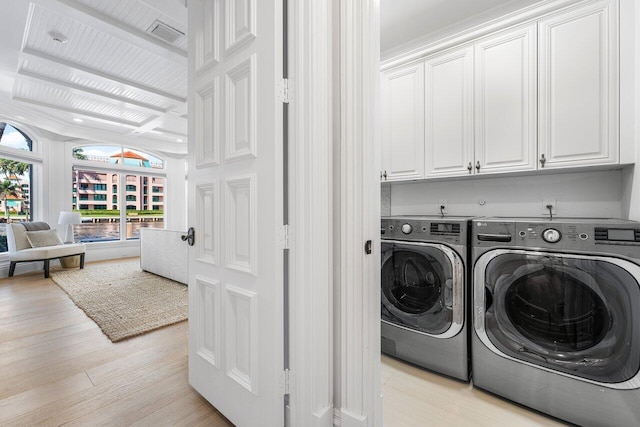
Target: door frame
335	145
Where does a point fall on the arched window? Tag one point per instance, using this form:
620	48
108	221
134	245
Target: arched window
16	179
128	175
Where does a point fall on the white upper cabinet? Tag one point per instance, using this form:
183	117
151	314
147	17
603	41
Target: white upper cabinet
506	101
449	113
579	87
403	123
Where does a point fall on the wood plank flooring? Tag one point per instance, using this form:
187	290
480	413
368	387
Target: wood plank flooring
414	397
56	367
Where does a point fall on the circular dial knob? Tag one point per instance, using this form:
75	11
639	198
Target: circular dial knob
407	228
551	235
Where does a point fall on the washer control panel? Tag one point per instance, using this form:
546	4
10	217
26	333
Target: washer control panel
407	228
551	235
424	229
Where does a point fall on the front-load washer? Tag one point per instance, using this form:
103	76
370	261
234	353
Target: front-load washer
556	316
424	291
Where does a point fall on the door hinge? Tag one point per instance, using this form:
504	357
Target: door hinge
285	91
285	237
287	380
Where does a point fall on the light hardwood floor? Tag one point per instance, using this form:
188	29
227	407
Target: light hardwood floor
56	367
414	397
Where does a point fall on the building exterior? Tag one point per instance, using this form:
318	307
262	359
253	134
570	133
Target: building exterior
97	190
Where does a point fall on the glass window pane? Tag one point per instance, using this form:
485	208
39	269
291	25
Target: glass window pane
14	138
15	195
98	153
100	220
141	213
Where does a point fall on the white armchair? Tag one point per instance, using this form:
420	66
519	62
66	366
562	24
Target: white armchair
21	249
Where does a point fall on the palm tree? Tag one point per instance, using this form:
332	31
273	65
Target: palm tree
78	153
13	169
7	188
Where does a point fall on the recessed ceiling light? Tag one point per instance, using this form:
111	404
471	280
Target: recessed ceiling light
78	120
179	140
57	37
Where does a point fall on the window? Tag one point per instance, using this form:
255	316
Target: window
84	197
16	179
157	190
127	214
156	198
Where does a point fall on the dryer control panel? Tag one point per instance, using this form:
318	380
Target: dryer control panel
579	235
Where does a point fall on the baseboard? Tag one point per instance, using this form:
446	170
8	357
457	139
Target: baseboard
349	419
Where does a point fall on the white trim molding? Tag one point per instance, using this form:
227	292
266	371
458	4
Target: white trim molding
311	220
360	396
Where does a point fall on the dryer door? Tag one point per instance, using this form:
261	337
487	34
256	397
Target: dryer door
422	287
575	314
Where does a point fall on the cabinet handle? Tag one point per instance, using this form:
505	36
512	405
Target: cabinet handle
478	165
469	167
385	175
543	160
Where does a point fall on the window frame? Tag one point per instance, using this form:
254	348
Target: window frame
35	158
113	168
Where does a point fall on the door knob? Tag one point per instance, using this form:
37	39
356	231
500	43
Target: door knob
190	237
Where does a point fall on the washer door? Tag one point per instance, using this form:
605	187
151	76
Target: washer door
422	287
574	314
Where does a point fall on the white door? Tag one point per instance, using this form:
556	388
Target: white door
449	113
235	205
403	123
506	101
579	87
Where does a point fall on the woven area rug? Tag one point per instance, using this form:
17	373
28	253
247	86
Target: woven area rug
123	300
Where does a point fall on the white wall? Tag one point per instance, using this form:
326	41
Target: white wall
581	194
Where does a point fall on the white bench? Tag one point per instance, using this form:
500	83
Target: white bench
20	249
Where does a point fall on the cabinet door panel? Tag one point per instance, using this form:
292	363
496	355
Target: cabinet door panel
578	87
506	101
449	113
403	123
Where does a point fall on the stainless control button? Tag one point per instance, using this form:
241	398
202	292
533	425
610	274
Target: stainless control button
391	227
523	234
407	228
551	235
583	236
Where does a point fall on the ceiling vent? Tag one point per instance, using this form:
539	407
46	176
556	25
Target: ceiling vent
165	32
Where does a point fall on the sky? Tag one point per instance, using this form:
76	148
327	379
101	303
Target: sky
14	139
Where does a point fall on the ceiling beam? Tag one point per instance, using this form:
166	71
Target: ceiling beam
100	117
91	72
102	22
88	91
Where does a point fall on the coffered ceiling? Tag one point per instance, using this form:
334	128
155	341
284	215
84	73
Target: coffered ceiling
112	71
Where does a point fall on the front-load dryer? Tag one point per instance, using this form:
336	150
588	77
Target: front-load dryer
424	291
556	316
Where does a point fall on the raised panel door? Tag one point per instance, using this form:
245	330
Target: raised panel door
506	101
579	87
449	113
403	123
